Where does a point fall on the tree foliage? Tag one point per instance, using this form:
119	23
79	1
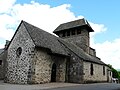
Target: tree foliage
115	73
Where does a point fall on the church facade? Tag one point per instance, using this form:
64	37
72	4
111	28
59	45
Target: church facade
35	56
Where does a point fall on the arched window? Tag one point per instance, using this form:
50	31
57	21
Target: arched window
19	51
91	69
53	73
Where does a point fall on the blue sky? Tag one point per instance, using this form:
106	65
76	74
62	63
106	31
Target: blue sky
103	16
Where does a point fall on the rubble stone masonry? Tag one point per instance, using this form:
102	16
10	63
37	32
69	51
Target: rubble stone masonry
97	76
18	61
43	67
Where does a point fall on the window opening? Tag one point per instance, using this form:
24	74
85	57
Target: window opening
73	32
78	31
68	33
63	35
19	51
91	69
103	70
0	62
53	73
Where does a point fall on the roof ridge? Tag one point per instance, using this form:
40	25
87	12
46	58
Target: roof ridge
24	22
73	24
38	28
44	39
73	21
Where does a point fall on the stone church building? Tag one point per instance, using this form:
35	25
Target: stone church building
35	56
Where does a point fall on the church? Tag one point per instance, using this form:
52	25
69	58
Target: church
34	56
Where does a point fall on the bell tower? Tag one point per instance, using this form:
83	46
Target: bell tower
76	32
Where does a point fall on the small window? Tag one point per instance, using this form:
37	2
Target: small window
78	31
103	70
68	33
0	62
91	69
63	35
19	51
73	32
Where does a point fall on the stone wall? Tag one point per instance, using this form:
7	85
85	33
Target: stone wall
97	76
3	57
20	54
109	74
43	67
1	66
81	40
1	72
74	69
92	52
60	61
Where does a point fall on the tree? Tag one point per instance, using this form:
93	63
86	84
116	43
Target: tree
115	73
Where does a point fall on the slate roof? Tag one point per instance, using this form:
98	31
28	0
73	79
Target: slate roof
73	24
44	39
80	53
55	44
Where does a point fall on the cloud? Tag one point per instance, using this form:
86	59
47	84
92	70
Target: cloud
41	15
6	5
109	52
6	25
98	29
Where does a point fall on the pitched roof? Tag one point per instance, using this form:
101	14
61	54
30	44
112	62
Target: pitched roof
56	45
44	39
73	24
80	53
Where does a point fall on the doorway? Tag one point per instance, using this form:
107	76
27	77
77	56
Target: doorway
53	73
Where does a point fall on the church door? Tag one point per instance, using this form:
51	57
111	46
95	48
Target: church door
53	73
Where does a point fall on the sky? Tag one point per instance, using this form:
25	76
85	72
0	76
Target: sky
103	16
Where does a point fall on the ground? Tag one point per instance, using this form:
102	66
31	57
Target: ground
61	86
